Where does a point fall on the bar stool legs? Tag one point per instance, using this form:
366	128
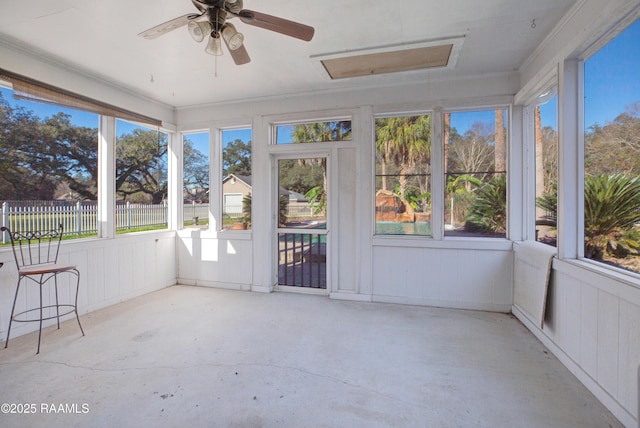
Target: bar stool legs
40	310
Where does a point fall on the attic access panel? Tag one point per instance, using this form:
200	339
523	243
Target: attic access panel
425	55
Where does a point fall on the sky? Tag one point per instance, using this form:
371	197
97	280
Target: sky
612	82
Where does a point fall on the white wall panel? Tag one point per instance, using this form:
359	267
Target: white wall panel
629	354
446	277
208	260
347	224
589	328
593	326
608	330
111	271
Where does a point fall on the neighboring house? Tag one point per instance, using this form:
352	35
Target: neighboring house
234	189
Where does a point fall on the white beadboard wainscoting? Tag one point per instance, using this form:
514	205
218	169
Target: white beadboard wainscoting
592	324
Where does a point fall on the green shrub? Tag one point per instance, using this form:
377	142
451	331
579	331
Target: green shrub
488	211
611	211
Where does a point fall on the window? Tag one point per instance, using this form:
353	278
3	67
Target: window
141	178
403	175
236	178
313	132
475	173
195	147
48	166
612	157
546	167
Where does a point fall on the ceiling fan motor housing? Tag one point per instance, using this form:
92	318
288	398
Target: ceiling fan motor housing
217	18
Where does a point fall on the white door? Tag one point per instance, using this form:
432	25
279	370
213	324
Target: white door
302	228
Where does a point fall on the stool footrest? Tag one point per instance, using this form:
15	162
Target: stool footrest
68	311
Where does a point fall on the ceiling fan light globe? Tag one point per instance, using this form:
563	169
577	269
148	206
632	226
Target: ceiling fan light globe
233	38
214	46
199	30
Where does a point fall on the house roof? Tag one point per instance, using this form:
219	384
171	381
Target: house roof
99	41
246	179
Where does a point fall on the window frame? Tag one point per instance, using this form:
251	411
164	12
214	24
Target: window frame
435	160
508	120
575	251
544	94
216	194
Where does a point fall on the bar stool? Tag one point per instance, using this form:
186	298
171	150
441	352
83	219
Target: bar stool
36	256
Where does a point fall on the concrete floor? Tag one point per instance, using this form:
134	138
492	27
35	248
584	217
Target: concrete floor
200	357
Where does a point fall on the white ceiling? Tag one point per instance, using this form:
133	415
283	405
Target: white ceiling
99	38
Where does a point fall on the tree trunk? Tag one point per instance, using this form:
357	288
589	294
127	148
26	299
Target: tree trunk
447	126
539	151
402	181
383	171
500	143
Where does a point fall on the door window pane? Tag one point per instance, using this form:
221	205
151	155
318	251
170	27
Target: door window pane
302	205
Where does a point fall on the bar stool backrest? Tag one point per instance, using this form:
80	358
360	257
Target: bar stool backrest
32	248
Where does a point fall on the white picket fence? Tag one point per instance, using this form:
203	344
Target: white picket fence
76	218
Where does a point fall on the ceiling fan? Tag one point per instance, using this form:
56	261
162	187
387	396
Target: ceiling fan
215	27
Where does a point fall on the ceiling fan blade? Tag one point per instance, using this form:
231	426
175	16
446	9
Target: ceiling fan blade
171	25
279	25
240	56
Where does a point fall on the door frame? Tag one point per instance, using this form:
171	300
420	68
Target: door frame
299	151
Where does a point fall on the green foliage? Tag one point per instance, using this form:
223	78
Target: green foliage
549	203
462	188
488	211
283	205
42	158
322	131
236	158
611	211
418	201
246	209
405	143
283	208
317	199
464	183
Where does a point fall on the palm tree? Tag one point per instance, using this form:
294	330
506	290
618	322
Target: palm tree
405	141
611	211
488	211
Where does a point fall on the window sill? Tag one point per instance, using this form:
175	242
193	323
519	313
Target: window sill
194	233
495	244
610	278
